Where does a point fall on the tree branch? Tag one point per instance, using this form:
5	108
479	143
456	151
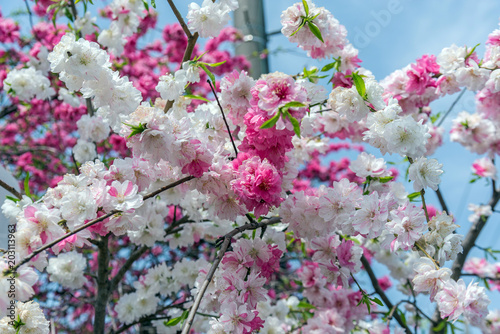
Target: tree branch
441	201
227	240
91	223
126	266
467	244
180	19
381	293
10	189
103	286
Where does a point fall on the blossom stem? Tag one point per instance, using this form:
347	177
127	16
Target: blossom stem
10	189
451	107
224	117
227	241
422	249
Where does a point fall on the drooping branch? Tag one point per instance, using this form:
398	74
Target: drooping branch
227	241
382	294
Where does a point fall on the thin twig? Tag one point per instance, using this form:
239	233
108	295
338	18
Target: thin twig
180	19
10	189
126	266
424	206
441	201
192	38
30	14
223	117
451	107
93	222
227	240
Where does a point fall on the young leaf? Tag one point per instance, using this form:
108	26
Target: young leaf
359	83
385	179
295	123
136	129
175	321
196	97
13	199
271	122
210	74
328	67
471	52
172	322
414	195
306	7
216	64
27	185
315	30
377	301
293	104
153	3
440	326
306	305
300	27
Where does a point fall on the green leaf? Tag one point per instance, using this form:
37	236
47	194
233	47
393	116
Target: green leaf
271	122
486	284
306	305
146	5
153	3
27	185
359	83
68	14
207	71
175	321
435	117
414	195
328	67
385	179
300	27
306	7
402	315
440	326
377	301
471	52
196	97
13	199
295	123
293	104
315	30
136	129
216	64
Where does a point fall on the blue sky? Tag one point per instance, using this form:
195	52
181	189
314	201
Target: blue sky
414	28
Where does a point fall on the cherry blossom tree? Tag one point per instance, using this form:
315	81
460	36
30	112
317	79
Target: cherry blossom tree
165	186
